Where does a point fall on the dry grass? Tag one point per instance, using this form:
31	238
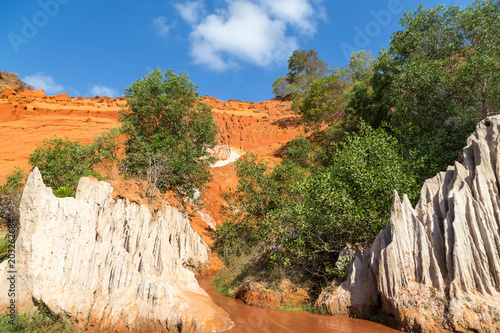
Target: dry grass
11	80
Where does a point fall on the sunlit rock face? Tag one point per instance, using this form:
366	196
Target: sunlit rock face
108	264
437	266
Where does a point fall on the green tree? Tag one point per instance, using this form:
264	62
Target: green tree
439	77
14	180
63	162
168	131
259	192
302	214
303	68
328	97
348	202
107	150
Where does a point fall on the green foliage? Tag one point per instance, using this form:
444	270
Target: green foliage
5	246
329	96
303	152
260	191
225	283
303	213
106	149
10	199
63	162
65	191
303	68
168	132
360	67
14	180
440	76
349	202
41	321
324	102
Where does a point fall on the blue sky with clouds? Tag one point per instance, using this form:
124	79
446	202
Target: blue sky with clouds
232	49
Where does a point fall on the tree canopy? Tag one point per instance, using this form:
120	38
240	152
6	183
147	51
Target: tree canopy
303	68
168	131
327	97
439	77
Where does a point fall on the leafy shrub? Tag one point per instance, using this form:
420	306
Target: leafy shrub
304	216
303	68
65	191
63	162
168	131
15	179
41	321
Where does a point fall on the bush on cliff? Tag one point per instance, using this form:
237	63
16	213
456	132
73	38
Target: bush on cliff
63	162
169	131
303	213
40	321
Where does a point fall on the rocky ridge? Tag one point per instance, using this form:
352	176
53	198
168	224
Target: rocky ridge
109	264
436	267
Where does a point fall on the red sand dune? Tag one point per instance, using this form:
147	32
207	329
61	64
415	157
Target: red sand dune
28	117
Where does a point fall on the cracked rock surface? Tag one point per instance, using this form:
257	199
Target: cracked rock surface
436	267
107	264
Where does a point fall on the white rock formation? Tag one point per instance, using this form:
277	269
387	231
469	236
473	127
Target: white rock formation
230	155
107	264
437	267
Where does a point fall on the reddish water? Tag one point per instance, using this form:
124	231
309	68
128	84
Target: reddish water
249	319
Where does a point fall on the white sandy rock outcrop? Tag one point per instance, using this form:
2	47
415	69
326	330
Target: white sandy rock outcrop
437	267
107	264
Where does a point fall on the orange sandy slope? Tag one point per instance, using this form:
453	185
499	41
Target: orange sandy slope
28	117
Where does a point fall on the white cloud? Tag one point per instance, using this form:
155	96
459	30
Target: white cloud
298	13
97	90
161	26
190	11
42	81
251	31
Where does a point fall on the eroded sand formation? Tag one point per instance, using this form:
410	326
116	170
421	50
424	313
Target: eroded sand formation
109	264
27	117
437	266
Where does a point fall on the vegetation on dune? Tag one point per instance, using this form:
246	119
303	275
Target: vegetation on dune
63	162
305	211
304	67
168	133
437	80
40	321
391	123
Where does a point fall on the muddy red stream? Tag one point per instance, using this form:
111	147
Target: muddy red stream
249	319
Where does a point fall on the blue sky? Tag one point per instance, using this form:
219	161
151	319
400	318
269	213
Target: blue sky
232	49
